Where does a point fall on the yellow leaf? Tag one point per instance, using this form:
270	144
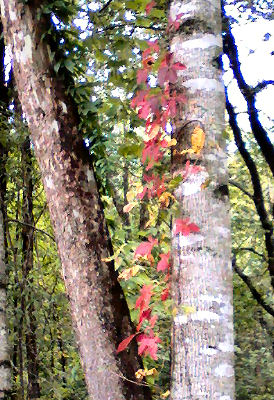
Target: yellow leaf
141	373
154	132
197	140
171	142
174	311
165	395
165	198
130	196
129	207
129	272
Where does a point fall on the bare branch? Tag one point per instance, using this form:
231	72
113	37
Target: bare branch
237	185
256	295
258	197
249	93
33	227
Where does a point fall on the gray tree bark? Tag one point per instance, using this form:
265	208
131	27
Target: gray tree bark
99	310
202	366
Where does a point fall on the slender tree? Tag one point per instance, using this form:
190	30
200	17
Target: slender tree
5	370
99	310
202	276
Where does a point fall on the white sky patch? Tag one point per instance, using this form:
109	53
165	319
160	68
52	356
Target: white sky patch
257	64
129	16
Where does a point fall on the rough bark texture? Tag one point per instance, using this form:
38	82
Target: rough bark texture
99	311
202	365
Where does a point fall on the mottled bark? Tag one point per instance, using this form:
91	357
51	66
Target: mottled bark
202	366
99	311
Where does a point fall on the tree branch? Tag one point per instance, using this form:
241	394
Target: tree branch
105	6
249	93
252	251
258	197
256	295
33	227
237	185
262	85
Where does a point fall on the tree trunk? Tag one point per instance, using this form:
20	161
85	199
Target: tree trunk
5	368
33	388
202	366
99	310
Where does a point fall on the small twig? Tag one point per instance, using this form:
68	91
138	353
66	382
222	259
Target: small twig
237	185
252	251
33	227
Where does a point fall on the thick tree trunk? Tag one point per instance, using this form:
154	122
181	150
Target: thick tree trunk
99	310
202	365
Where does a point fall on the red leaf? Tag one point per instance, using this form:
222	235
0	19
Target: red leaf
149	7
123	345
165	294
144	249
148	345
142	75
178	66
184	227
143	300
171	76
162	73
152	321
164	263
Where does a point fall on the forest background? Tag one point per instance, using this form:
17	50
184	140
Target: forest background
99	51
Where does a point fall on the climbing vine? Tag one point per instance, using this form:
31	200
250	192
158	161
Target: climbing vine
159	107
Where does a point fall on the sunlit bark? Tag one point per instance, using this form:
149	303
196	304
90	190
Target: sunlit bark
99	311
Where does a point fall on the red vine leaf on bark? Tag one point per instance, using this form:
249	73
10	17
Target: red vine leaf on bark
168	71
174	24
185	227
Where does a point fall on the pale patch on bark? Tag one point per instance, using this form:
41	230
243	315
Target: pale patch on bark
224	370
192	184
205	315
49	182
203	42
208	351
203	84
226	309
191	239
226	347
26	53
180	319
64	107
2	8
54	126
177	8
